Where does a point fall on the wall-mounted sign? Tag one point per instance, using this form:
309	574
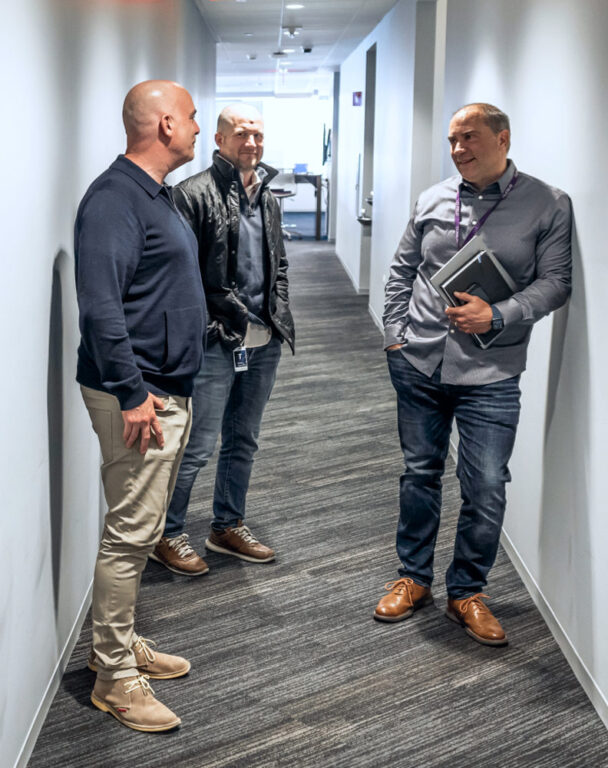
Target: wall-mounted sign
357	98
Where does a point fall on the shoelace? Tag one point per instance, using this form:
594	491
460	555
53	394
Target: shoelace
142	646
245	534
464	606
400	586
181	545
141	681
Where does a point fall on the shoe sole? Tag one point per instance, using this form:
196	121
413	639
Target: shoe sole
223	551
146	728
478	638
420	604
173	569
142	671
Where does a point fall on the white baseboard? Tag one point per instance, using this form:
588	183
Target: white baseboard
53	684
355	284
583	675
377	320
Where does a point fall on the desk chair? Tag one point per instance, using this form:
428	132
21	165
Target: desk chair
288	230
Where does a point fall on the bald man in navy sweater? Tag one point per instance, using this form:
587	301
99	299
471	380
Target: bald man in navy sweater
142	321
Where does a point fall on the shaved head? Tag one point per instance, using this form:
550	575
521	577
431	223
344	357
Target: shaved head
159	118
145	104
237	113
240	137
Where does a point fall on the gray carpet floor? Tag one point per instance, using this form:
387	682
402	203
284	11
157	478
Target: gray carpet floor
288	668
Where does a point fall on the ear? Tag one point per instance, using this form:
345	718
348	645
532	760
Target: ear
166	126
503	139
219	139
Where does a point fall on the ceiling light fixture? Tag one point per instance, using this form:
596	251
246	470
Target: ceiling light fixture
292	31
289	50
294	6
247	34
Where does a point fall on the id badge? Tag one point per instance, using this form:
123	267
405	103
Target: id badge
240	359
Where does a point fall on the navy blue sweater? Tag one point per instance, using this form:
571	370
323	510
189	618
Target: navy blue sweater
140	295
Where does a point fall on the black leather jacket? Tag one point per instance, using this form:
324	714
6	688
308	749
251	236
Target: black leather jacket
209	201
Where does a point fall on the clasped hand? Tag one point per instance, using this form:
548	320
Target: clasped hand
474	316
143	421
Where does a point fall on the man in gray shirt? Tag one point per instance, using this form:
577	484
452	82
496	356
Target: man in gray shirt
439	372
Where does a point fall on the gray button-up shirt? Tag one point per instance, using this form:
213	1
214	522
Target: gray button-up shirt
529	232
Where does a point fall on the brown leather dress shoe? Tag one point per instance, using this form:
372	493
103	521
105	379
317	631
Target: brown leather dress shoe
239	542
477	619
177	555
405	597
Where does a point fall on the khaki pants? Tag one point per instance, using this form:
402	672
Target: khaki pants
137	490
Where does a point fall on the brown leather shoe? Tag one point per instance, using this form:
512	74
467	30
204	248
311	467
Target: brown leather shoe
160	666
405	597
131	701
177	555
477	619
239	542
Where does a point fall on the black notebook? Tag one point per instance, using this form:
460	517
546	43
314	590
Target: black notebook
476	270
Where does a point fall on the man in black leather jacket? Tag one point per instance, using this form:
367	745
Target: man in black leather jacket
236	220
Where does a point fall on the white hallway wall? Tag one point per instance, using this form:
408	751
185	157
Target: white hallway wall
543	62
395	48
66	68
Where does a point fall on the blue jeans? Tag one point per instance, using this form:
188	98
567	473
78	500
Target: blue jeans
487	417
233	403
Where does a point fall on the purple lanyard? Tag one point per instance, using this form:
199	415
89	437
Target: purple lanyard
486	215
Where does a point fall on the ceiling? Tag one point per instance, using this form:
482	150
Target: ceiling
320	35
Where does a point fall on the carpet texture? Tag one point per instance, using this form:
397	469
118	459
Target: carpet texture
289	670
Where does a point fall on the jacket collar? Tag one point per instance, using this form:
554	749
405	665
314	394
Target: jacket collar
138	174
228	172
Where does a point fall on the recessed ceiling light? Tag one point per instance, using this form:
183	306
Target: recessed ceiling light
294	6
292	30
289	50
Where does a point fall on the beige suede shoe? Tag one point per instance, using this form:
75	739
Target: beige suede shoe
131	701
154	664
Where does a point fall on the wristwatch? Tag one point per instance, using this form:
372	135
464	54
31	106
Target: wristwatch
497	320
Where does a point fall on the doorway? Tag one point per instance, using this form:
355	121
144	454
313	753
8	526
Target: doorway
366	187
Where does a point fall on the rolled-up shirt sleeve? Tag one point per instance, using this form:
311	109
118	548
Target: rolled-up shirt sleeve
107	259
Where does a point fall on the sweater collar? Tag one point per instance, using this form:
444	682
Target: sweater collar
138	174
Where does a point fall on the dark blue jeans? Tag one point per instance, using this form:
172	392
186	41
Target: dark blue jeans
233	403
487	417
